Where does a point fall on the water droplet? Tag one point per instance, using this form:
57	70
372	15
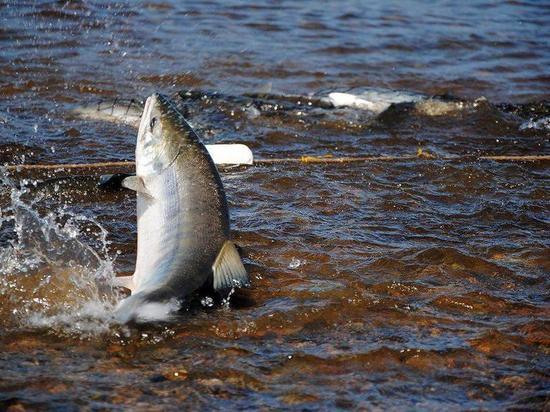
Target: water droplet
207	302
295	263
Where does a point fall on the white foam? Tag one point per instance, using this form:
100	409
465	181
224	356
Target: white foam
540	124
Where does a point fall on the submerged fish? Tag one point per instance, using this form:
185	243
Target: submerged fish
183	219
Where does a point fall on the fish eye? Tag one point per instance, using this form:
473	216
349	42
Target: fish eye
152	123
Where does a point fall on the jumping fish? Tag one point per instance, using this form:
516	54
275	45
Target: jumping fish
183	220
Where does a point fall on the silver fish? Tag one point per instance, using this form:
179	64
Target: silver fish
183	219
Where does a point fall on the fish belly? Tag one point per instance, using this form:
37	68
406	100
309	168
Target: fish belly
181	228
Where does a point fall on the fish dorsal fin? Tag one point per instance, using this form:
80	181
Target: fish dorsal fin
124	282
228	269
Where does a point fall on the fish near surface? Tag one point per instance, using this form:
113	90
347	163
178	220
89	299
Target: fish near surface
183	219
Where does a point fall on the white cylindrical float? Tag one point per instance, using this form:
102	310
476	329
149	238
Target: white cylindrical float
230	154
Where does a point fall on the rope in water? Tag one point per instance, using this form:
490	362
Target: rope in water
423	156
302	159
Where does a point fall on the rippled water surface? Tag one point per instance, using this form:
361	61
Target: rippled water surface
413	283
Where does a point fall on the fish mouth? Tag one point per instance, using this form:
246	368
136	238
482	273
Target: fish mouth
144	150
154	152
146	115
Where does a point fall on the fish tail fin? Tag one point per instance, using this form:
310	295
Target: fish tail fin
146	307
128	308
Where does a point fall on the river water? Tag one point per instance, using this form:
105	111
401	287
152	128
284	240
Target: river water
407	284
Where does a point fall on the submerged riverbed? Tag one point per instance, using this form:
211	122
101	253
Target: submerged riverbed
407	284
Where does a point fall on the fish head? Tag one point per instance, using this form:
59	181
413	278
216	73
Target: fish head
162	133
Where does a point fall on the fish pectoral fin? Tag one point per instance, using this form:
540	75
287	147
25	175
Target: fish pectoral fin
113	181
228	269
124	282
136	184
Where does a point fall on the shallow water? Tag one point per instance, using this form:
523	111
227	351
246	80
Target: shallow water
413	284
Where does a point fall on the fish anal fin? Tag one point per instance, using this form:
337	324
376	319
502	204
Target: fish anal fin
228	269
124	282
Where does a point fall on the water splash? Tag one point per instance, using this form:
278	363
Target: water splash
56	272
